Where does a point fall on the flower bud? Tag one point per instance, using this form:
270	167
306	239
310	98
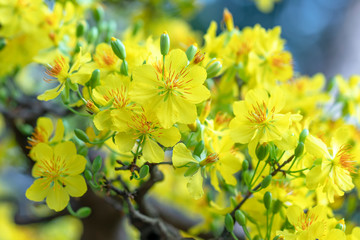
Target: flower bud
144	170
276	206
262	151
124	68
247	178
98	13
88	175
228	19
190	52
92	35
199	148
340	226
266	181
299	149
240	217
245	165
229	222
96	164
118	48
213	69
80	134
164	44
303	135
95	79
2	43
83	212
81	28
267	200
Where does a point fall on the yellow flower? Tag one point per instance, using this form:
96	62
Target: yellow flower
174	95
114	91
258	117
43	132
57	171
333	175
61	71
312	224
143	127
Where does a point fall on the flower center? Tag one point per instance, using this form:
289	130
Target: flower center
259	113
56	69
345	158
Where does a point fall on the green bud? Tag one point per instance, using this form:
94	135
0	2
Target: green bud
96	164
83	150
92	35
267	200
303	135
245	165
98	13
118	48
240	217
144	170
299	149
65	96
80	134
95	79
81	28
276	237
277	206
266	181
83	212
262	151
247	178
340	227
192	170
124	68
199	148
213	69
25	129
77	47
2	43
229	222
190	52
164	43
137	26
88	175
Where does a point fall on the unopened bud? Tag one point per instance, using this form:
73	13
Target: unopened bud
80	134
118	48
124	68
96	164
303	135
144	170
245	165
190	52
83	212
88	175
92	35
229	223
98	13
164	44
266	181
299	149
81	28
267	200
277	206
95	79
240	217
213	69
2	43
262	151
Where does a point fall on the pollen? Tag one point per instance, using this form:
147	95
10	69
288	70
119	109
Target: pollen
345	158
57	69
259	113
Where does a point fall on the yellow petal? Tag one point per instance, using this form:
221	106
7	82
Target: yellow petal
197	94
194	185
75	165
121	119
57	198
42	152
51	94
59	132
196	75
75	185
103	120
167	137
125	141
182	155
315	177
64	150
241	131
152	152
38	190
45	125
176	61
294	214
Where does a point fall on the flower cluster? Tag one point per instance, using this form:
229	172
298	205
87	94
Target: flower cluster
236	134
